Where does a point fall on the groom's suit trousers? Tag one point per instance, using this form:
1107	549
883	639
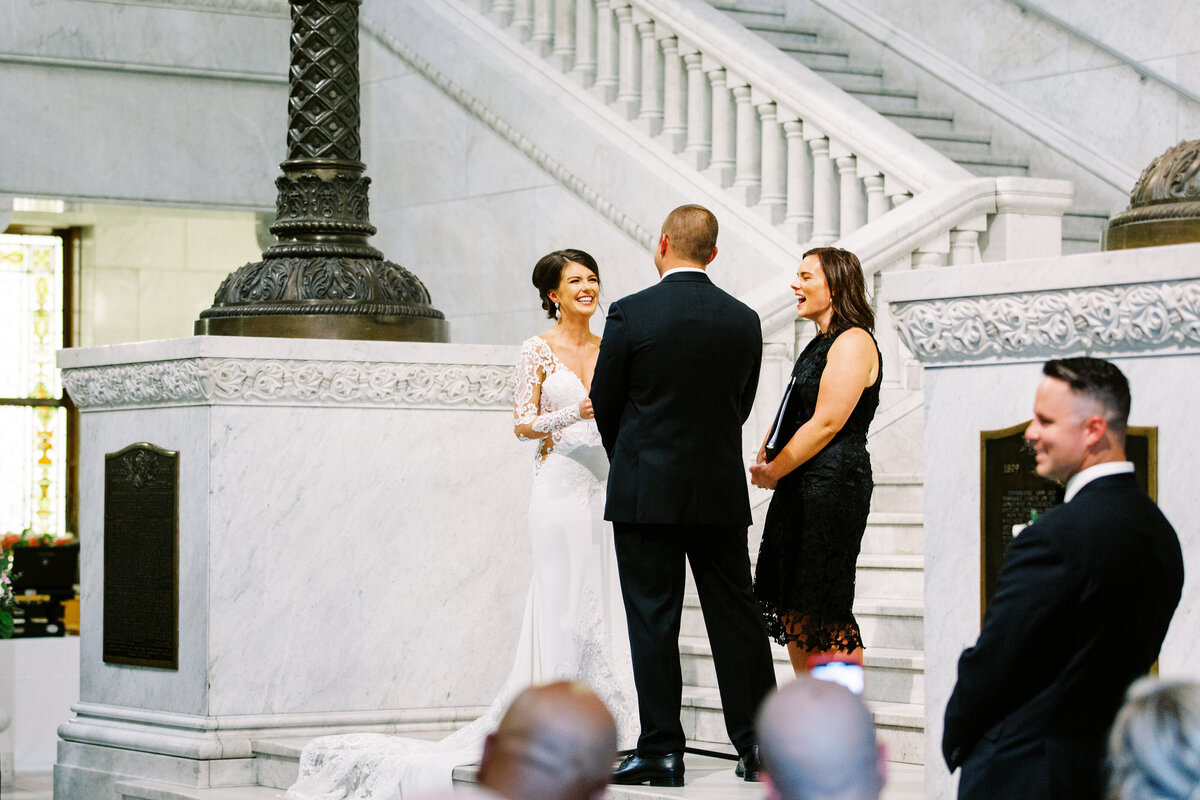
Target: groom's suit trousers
651	560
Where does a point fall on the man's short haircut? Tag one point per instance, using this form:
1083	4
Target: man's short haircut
692	230
817	740
1099	381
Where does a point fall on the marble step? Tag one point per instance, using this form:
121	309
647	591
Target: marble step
710	778
752	14
898	492
891	623
900	725
899	577
153	790
918	121
894	533
886	100
892	676
278	761
1082	231
994	166
956	145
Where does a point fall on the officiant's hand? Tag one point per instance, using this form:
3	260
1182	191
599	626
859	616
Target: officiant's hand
585	408
760	476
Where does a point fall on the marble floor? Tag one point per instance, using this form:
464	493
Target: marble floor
29	786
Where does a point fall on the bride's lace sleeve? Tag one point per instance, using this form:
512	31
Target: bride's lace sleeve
532	367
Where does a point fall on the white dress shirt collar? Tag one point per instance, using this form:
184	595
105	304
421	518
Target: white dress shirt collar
680	269
1086	476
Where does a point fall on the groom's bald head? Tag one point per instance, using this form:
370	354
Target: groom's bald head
555	742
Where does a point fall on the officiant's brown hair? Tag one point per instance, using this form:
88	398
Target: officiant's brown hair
847	289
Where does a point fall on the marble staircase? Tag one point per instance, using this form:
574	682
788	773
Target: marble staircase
972	149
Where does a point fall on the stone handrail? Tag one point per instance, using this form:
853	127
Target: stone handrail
937	228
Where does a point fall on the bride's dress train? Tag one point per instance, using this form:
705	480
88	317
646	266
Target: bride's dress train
574	621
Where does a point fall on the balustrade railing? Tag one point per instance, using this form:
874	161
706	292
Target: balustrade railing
808	158
804	155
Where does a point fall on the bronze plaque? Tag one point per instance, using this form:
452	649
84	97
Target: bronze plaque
141	557
1011	491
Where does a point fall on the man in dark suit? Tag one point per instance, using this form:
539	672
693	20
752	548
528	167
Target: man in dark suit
674	383
1080	611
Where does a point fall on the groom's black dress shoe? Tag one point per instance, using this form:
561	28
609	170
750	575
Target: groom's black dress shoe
656	770
749	767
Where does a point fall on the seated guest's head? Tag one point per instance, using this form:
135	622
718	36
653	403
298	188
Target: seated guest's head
817	742
1154	747
555	742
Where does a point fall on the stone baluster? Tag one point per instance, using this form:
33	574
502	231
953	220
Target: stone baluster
895	192
543	27
607	49
773	199
522	24
628	62
852	203
674	130
798	221
584	70
721	163
747	184
964	247
501	13
563	54
698	150
825	189
933	254
872	179
650	114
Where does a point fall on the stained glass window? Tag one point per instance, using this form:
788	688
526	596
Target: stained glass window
33	421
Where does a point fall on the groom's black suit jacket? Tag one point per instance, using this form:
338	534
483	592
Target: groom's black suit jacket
1080	611
674	383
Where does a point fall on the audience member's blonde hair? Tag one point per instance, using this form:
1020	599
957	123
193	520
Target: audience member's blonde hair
1154	746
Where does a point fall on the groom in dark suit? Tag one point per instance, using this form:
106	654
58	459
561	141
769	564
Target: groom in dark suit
674	383
1080	611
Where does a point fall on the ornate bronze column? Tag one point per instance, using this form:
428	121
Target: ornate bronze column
323	280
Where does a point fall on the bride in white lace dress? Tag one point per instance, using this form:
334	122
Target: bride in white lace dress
574	623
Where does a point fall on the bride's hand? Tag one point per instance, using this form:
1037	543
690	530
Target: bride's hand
585	408
760	476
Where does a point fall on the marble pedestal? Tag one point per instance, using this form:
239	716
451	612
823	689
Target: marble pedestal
982	334
352	547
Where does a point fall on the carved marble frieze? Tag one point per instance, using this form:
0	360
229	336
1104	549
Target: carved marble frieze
249	381
1143	318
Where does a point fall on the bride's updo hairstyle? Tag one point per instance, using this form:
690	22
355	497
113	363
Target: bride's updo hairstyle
847	289
547	273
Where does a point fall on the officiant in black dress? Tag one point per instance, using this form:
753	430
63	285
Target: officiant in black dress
815	458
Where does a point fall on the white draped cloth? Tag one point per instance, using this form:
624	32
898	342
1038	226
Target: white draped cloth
574	622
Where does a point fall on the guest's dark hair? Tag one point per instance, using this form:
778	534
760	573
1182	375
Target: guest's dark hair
1099	381
847	289
547	273
692	230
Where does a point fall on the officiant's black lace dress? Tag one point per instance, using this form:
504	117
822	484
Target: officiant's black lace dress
816	520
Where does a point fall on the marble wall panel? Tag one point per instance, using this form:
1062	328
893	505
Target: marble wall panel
112	306
170	302
88	133
160	34
185	430
364	559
